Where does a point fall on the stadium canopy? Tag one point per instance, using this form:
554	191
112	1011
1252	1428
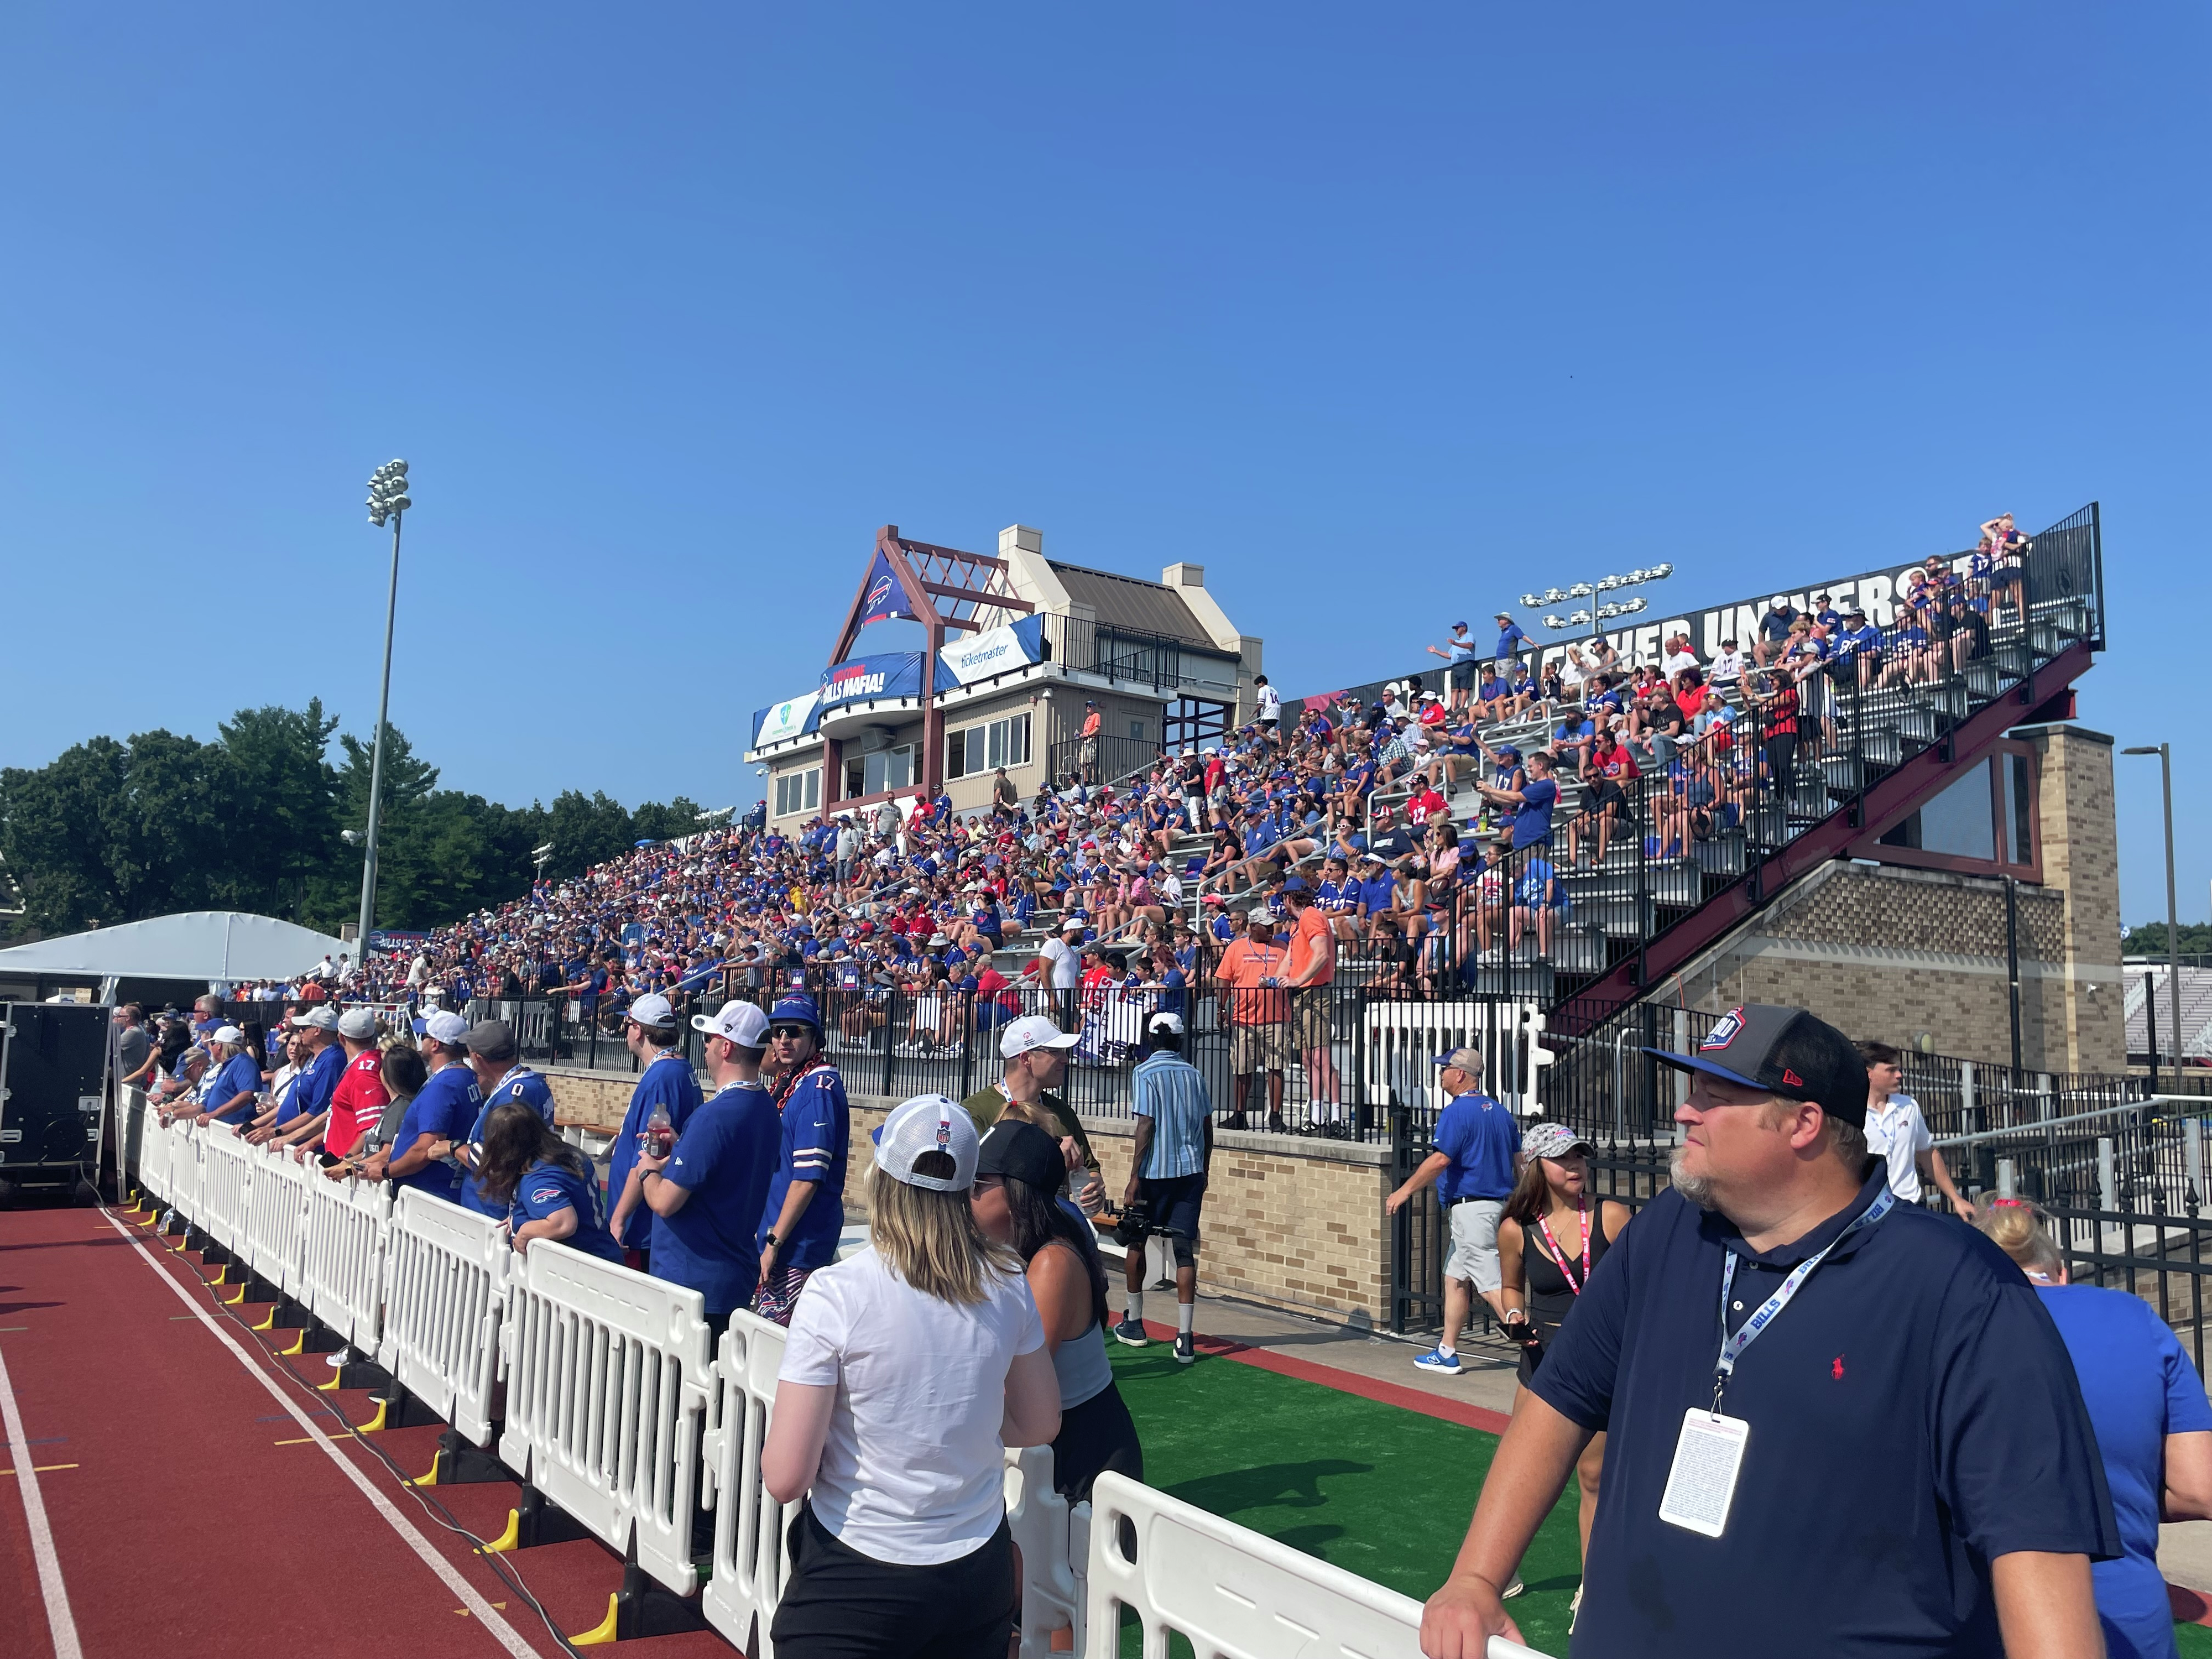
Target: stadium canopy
194	945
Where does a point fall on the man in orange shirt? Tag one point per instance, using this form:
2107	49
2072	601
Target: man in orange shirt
1251	969
1087	753
1309	967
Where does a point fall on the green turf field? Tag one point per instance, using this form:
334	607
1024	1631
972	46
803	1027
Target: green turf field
1382	1491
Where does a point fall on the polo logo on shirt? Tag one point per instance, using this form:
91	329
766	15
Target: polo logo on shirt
1836	1369
1723	1032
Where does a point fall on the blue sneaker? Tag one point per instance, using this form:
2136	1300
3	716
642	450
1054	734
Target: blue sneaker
1435	1359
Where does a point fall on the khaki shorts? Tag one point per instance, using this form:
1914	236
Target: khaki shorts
1474	1242
1309	1019
1258	1048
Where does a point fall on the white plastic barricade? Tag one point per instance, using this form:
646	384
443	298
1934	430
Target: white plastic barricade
740	1597
1055	1545
185	1171
1404	1037
276	1220
444	1279
224	1160
1234	1593
607	1386
153	1156
343	1268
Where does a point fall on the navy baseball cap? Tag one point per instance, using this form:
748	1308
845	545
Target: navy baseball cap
795	1008
1782	1051
1295	885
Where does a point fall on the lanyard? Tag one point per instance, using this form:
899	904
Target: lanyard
1749	1332
1558	1255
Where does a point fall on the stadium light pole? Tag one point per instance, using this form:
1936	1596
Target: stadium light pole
387	502
1599	611
2165	753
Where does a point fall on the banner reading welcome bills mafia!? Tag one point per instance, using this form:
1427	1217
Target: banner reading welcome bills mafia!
888	674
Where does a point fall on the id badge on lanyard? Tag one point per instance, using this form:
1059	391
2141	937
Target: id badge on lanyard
1701	1481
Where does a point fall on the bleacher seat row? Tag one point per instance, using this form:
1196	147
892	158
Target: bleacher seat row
616	1412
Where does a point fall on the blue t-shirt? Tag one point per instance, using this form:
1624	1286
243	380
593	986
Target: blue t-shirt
2139	1386
1480	1138
520	1083
725	1159
240	1075
1532	818
310	1090
445	1109
817	1129
669	1084
550	1185
1912	1411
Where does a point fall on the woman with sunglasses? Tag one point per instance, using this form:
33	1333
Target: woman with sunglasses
1020	1172
1554	1234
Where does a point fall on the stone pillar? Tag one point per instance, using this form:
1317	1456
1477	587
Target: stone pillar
2081	860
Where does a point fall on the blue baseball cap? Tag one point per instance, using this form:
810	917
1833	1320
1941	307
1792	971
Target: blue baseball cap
1295	885
795	1008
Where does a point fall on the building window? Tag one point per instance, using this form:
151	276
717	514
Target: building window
981	748
879	773
1136	731
798	791
1983	821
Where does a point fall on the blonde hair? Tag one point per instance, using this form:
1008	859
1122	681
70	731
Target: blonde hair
2015	1226
930	1239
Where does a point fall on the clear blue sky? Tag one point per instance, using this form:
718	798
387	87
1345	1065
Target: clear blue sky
1378	314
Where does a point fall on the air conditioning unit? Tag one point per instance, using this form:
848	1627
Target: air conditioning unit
868	739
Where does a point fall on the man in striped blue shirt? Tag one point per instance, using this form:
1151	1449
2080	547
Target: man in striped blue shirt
1167	1176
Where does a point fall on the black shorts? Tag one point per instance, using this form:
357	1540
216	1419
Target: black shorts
1095	1437
841	1604
1173	1206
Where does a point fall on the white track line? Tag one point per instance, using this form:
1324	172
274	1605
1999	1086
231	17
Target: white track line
54	1593
483	1610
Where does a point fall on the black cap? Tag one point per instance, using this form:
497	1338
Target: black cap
1026	1153
1785	1051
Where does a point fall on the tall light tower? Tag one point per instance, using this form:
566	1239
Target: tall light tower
388	502
1598	611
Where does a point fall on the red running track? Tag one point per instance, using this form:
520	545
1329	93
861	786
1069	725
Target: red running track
201	1503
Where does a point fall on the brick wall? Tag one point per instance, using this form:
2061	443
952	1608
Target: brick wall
1288	1222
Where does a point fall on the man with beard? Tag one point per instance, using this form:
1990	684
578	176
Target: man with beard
1901	1465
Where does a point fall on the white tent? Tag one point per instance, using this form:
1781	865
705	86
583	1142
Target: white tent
211	945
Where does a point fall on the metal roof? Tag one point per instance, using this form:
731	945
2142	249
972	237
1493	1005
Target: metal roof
1129	602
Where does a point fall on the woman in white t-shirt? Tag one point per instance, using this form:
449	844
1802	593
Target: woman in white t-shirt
909	1368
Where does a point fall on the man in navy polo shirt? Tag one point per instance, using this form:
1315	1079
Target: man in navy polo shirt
1472	1165
1834	1424
665	1084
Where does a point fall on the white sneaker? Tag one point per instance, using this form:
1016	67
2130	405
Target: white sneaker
339	1360
1512	1589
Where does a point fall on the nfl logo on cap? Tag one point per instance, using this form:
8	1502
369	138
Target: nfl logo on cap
1723	1032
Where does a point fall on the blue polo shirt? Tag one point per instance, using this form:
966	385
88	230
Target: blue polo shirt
818	1130
2139	1386
445	1109
1480	1138
522	1084
311	1089
241	1075
1532	818
724	1159
1912	1415
669	1084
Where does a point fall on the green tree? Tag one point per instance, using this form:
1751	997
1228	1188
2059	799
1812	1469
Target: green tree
585	830
2195	938
651	821
280	805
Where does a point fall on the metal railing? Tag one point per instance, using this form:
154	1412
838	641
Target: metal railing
1131	655
1111	760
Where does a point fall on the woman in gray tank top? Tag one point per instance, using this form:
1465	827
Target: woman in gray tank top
1018	1173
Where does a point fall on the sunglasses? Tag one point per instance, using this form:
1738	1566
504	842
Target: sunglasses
791	1033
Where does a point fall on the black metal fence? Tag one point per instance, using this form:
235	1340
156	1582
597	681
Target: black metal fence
1102	759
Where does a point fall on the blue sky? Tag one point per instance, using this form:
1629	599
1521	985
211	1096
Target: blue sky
1377	316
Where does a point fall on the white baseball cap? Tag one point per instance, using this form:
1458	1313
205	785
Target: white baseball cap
228	1034
1033	1031
652	1009
928	1123
741	1022
315	1019
358	1024
1170	1023
446	1028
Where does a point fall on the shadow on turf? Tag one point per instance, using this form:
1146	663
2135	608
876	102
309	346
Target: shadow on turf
1270	1485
